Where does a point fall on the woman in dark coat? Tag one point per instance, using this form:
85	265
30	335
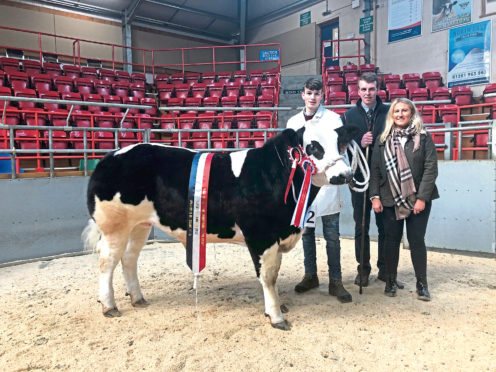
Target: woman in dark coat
402	187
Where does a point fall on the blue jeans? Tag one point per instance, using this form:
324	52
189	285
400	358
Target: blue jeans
330	228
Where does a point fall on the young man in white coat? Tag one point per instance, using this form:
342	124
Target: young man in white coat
326	205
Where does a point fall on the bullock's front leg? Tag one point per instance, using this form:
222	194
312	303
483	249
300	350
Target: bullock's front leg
111	250
129	260
269	270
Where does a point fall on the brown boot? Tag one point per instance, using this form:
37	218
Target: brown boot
309	281
336	289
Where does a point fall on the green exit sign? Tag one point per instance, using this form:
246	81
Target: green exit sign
366	24
305	18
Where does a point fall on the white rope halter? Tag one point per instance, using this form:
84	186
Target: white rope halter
360	161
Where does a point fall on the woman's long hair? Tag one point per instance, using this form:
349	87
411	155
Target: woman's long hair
415	120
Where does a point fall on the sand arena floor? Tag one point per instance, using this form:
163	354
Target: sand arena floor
50	319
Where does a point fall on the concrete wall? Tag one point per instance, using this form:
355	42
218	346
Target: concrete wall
44	217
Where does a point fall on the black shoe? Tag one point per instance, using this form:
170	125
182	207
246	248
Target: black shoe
422	290
391	286
383	278
309	281
336	289
365	279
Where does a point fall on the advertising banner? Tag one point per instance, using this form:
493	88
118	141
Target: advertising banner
470	54
449	13
404	19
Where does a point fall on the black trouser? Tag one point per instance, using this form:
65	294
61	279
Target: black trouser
416	225
357	202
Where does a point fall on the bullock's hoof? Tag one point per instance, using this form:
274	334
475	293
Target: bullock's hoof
284	309
140	303
283	326
111	313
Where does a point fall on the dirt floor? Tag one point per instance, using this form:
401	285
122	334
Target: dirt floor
50	319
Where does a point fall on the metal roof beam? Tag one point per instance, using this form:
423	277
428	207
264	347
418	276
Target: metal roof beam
283	12
130	11
76	7
195	11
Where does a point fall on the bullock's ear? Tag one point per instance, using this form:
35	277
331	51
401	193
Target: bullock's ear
300	132
345	134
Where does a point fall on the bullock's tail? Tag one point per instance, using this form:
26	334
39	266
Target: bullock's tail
90	236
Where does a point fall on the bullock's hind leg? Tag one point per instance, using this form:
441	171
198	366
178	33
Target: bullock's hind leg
129	260
269	270
111	248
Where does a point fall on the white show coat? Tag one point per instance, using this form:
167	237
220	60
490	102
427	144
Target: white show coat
328	199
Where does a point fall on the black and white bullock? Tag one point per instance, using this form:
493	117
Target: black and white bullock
145	185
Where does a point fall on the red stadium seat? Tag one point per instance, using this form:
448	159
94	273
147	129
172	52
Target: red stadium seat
105	120
63	84
244	120
368	67
162	78
106	74
448	113
77	137
167	122
82	118
391	81
440	93
265	101
121	88
137	90
129	121
233	88
58	118
27	138
36	116
419	94
165	91
211	102
411	81
353	96
350	69
192	102
336	98
192	77
113	99
177	78
149	102
224	77
382	95
17	79
12	116
240	76
2	78
144	121
59	139
104	140
272	76
52	69
89	73
176	102
30	93
84	85
333	71
5	91
247	101
432	80
31	67
198	90
267	88
186	121
93	98
131	101
9	64
208	77
230	101
462	95
256	76
489	94
250	88
126	139
481	139
216	89
122	76
352	84
50	95
205	121
397	93
335	84
71	71
182	90
137	77
428	113
41	82
103	87
71	96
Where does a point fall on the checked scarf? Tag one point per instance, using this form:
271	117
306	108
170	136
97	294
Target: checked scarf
399	172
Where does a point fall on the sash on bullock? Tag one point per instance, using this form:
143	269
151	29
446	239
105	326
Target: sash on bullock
196	238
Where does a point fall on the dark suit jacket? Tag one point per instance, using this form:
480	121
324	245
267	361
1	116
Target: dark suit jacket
423	164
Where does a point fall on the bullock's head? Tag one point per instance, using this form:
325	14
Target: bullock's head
325	146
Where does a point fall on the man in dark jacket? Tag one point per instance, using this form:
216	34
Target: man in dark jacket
369	116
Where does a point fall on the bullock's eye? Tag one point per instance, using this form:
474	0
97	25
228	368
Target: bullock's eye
315	149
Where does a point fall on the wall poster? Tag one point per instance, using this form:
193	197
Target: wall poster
404	19
450	13
469	54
